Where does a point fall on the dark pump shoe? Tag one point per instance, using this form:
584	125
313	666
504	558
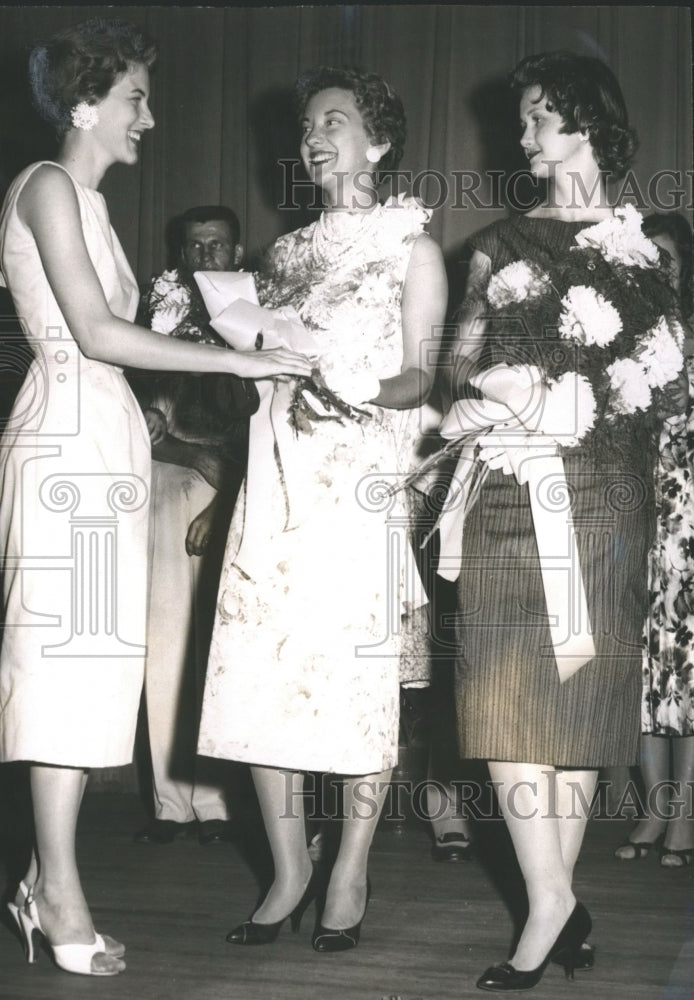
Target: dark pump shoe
452	847
214	831
252	933
161	831
325	939
567	950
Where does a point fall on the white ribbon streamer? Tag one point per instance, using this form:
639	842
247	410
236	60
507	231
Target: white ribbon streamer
499	430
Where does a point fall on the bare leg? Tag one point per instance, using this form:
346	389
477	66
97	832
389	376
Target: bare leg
654	760
680	829
444	812
63	911
32	872
575	791
281	803
362	799
546	844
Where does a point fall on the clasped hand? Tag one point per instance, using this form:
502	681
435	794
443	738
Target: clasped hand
200	529
156	425
266	364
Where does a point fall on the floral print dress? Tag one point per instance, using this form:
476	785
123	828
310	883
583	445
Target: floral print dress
318	570
668	661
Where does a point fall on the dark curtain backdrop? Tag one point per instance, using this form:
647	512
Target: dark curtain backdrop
220	97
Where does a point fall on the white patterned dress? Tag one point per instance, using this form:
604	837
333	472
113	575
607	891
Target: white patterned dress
303	669
667	707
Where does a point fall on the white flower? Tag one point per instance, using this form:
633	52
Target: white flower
568	409
677	331
166	283
631	391
172	302
414	206
404	217
588	317
166	319
517	282
84	116
621	240
660	355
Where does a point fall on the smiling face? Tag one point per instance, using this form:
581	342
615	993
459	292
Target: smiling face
124	115
544	143
334	143
209	246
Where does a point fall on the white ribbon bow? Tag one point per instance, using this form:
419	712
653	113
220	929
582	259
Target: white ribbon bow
505	427
232	302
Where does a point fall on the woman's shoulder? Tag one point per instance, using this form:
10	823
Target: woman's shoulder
44	180
40	187
488	239
44	173
426	252
288	241
286	250
404	217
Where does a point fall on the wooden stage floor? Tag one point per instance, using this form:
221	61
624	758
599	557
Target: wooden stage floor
431	929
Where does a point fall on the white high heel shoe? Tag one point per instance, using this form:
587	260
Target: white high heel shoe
70	957
14	909
112	948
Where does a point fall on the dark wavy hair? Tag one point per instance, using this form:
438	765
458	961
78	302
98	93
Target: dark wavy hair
82	63
380	107
585	92
675	226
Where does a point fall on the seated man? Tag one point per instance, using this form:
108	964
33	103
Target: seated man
198	434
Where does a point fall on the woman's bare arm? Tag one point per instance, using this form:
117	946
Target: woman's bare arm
48	206
471	322
424	301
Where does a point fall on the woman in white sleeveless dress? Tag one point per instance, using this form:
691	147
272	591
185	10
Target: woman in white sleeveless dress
74	465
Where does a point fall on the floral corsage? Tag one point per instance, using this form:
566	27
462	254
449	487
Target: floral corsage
177	310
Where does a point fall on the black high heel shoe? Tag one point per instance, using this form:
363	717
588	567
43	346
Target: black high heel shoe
583	958
250	932
326	939
566	950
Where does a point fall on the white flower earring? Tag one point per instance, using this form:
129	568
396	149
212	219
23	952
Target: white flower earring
84	116
373	155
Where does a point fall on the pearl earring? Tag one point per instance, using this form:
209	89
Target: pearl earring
84	116
373	155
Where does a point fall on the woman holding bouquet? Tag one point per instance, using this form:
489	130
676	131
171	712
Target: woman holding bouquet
303	671
75	463
567	334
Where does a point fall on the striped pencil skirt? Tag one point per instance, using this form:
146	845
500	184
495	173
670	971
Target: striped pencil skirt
510	703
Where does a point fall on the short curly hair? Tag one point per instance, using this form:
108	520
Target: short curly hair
380	107
82	63
587	96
